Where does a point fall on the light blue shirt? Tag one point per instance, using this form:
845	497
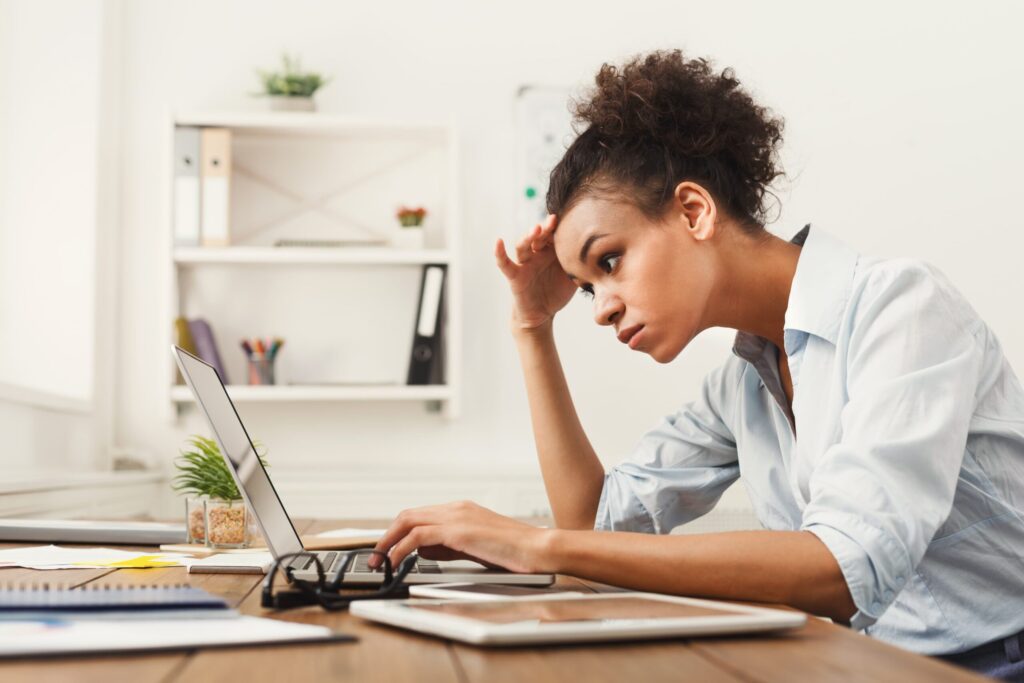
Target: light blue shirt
903	452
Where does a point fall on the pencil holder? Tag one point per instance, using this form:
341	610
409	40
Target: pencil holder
261	371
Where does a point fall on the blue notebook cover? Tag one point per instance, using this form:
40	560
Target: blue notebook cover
37	600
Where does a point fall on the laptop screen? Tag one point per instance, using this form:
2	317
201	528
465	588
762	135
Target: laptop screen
239	453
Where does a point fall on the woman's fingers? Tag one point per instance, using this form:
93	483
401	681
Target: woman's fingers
547	228
537	238
458	529
547	232
524	249
409	522
430	535
406	522
505	264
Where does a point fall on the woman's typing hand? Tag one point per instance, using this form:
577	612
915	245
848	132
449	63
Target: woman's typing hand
465	530
540	288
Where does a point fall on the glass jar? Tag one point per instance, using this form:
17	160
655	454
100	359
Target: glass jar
227	523
195	519
256	539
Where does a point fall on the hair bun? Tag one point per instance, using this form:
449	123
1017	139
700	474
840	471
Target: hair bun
701	121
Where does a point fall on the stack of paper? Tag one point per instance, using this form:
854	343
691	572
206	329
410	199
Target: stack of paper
56	557
251	563
35	638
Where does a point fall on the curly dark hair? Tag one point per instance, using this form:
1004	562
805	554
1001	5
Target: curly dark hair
660	119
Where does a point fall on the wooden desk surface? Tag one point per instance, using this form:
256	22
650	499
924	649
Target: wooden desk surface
818	652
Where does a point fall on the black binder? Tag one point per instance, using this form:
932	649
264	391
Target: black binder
426	362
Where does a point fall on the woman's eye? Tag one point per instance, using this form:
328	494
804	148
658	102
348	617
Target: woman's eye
587	292
610	262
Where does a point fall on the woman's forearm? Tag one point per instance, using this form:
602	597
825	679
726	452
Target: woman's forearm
787	567
573	475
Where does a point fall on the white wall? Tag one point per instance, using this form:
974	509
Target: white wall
903	138
58	210
48	123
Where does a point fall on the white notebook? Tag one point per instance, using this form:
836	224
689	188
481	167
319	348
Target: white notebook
232	563
95	637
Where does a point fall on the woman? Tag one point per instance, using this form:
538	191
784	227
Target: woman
877	424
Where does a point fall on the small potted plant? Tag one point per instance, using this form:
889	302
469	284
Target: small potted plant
291	89
215	513
410	221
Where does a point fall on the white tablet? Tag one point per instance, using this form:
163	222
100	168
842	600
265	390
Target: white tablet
486	591
575	618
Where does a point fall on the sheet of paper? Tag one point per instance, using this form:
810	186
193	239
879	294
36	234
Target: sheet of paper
352	533
260	561
199	549
57	557
40	637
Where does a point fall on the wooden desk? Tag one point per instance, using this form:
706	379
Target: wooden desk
817	653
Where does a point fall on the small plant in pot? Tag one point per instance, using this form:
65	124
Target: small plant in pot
291	88
410	233
215	513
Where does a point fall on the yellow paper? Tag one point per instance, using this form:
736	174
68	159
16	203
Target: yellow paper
140	562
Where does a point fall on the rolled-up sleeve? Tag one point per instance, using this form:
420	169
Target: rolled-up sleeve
880	493
678	470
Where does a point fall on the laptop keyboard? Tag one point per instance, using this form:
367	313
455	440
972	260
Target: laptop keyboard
361	564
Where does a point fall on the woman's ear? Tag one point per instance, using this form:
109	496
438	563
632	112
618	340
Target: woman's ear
696	210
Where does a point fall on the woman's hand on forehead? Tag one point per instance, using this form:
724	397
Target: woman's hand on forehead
544	233
540	287
537	239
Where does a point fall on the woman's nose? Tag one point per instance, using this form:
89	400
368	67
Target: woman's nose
607	309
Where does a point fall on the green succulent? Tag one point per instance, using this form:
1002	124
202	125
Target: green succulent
292	81
202	472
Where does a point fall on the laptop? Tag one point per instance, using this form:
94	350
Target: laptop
275	524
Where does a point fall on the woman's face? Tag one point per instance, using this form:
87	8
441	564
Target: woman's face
650	280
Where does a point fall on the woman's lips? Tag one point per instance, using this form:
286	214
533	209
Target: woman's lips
634	341
629	335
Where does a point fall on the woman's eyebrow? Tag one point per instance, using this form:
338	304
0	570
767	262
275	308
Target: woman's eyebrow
587	243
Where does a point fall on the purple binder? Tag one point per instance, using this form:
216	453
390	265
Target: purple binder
206	347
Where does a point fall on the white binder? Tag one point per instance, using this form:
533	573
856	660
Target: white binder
186	186
216	186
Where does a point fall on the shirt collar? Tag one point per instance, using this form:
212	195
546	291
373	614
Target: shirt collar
819	293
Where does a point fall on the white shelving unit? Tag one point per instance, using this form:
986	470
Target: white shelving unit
353	256
327	393
342	310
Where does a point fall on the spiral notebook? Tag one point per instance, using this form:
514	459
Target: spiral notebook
43	601
41	620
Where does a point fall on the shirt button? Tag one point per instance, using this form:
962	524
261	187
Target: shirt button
888	596
876	605
899	580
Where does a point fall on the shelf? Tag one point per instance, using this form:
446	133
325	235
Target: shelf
309	255
311	123
320	176
284	393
